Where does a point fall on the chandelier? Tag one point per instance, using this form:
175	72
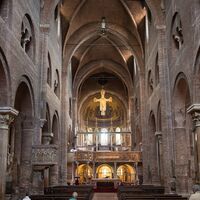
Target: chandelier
103	27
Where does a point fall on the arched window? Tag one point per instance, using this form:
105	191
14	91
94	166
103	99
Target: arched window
57	84
49	71
177	31
150	83
55	128
27	36
157	78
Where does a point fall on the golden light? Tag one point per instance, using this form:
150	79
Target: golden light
103	102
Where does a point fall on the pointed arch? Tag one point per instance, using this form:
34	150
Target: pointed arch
182	130
55	128
4	80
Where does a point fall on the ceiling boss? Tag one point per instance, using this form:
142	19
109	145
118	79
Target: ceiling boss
103	102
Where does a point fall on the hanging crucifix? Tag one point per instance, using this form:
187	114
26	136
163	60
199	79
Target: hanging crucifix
103	102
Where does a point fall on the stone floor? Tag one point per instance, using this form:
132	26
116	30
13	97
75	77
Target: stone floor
103	196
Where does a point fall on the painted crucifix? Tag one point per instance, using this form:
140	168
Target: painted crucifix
103	102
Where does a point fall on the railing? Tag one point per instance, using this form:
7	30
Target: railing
99	141
126	156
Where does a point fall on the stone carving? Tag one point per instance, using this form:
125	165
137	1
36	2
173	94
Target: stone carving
10	159
44	155
5	120
194	110
178	37
196	118
47	138
55	84
177	33
84	156
25	38
108	156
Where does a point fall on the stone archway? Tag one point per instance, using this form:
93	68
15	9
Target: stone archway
104	171
4	80
55	129
6	130
152	166
24	130
84	172
159	145
3	86
182	133
126	173
46	129
54	170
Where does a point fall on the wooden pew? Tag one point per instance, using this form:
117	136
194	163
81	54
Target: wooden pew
145	192
42	197
85	192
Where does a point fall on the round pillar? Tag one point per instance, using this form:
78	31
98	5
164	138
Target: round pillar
6	117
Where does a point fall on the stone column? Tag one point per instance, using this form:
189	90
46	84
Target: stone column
73	172
132	121
115	170
194	110
94	170
77	164
54	175
46	177
166	104
159	153
26	154
47	138
111	142
97	142
6	117
136	173
74	116
87	171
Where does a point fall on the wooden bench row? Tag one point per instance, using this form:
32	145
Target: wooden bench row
154	198
67	189
56	198
146	192
65	192
85	196
129	196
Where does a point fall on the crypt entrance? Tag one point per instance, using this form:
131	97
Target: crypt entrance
124	172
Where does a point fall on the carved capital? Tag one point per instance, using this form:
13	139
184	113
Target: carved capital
194	110
196	118
5	120
158	134
42	122
7	115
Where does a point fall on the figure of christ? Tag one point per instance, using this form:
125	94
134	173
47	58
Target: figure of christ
103	102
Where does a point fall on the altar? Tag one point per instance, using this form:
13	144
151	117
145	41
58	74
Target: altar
106	182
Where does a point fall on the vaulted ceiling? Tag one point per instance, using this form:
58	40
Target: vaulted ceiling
92	53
